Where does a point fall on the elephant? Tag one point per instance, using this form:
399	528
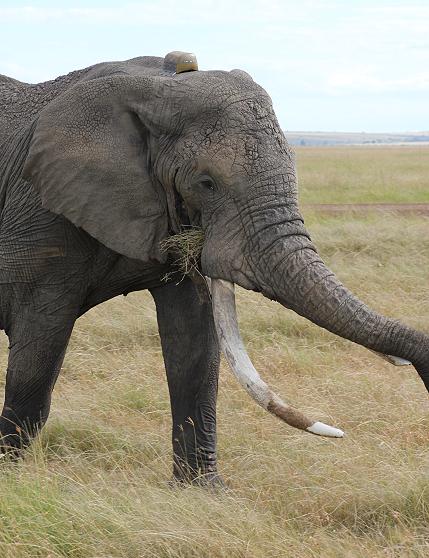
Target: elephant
97	169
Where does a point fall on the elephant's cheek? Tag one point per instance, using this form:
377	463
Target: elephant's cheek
218	262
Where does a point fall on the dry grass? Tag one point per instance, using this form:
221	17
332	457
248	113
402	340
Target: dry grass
185	250
95	483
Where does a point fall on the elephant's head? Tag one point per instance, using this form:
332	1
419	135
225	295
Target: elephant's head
132	154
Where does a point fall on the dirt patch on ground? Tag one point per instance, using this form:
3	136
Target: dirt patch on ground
334	209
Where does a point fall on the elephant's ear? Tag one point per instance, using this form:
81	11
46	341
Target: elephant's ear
89	159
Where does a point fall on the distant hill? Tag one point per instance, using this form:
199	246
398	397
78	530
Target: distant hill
356	138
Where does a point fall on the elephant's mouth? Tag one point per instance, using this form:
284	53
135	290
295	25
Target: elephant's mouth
223	298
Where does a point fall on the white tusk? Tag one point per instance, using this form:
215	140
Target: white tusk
323	430
225	317
396	361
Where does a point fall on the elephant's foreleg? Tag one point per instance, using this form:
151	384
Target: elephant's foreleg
37	346
191	356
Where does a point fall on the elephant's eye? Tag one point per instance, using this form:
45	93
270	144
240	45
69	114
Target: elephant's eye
207	183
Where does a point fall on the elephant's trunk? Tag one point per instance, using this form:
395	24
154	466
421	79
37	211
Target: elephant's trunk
299	280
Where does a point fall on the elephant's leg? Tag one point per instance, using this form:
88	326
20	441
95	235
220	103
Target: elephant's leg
191	356
38	341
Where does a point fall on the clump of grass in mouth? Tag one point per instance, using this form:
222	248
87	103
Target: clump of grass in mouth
186	248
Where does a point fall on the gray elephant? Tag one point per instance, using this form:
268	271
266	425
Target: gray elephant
97	168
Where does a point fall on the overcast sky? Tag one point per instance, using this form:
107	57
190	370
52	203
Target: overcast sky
331	65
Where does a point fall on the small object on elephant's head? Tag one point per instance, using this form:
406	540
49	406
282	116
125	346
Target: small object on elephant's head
179	62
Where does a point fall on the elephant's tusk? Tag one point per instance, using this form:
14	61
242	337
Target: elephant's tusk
233	348
396	361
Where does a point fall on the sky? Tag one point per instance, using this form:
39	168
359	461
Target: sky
328	65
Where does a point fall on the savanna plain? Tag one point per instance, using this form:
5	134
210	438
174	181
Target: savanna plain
95	483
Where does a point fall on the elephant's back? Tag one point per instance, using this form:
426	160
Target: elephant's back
11	92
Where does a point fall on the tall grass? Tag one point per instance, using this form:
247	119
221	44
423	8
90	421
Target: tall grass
95	483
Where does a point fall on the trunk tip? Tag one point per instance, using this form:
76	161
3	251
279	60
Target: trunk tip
321	429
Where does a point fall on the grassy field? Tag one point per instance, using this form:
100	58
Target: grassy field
94	485
363	174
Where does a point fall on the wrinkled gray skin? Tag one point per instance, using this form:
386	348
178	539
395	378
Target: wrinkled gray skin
117	157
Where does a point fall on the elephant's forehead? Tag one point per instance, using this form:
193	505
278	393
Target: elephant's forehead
233	156
237	137
241	123
223	91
